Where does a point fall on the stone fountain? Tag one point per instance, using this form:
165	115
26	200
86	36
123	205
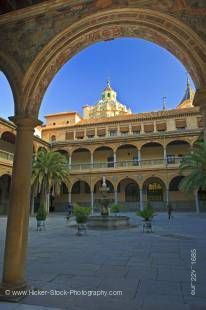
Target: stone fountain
105	220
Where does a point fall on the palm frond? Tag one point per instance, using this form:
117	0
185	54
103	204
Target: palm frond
194	166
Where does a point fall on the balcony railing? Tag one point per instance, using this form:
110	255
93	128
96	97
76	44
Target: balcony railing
128	164
111	165
6	156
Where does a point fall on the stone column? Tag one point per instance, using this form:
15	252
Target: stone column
92	201
92	159
115	197
200	100
155	126
70	161
141	199
139	156
130	129
70	196
18	216
165	155
115	159
167	195
197	202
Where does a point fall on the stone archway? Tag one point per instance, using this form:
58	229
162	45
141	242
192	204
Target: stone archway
128	192
80	158
80	192
157	27
154	190
14	75
181	201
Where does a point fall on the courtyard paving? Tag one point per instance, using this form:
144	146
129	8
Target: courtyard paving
152	270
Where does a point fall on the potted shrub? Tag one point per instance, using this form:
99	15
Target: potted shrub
147	214
41	218
81	214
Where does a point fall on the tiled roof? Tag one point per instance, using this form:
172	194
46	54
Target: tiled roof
127	118
139	116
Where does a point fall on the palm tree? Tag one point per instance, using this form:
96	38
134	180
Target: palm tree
194	166
50	170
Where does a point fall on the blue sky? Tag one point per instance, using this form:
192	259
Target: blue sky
141	72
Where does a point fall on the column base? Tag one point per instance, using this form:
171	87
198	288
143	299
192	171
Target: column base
11	293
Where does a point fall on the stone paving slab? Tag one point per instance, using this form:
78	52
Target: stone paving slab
12	306
152	270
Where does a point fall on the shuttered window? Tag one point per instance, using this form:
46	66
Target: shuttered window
90	132
200	122
124	129
79	134
136	128
101	131
161	126
149	127
181	123
69	135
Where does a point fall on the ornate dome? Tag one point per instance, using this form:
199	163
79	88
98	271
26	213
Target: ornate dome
187	100
107	106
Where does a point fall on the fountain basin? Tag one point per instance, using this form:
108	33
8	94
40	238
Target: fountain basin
108	222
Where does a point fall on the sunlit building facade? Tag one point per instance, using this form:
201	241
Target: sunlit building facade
139	154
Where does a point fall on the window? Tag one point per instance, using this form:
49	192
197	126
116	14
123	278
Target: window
124	134
53	138
135	161
8	137
110	161
148	128
113	133
154	192
90	133
69	135
200	122
136	129
136	132
131	192
170	159
161	127
79	134
180	124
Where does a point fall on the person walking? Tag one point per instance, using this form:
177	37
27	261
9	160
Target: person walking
69	209
169	211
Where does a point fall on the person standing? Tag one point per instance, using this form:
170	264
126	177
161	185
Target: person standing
169	211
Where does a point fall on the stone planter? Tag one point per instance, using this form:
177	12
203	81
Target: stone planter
81	228
41	225
147	226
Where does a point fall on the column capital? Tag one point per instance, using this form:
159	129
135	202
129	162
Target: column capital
200	98
25	121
